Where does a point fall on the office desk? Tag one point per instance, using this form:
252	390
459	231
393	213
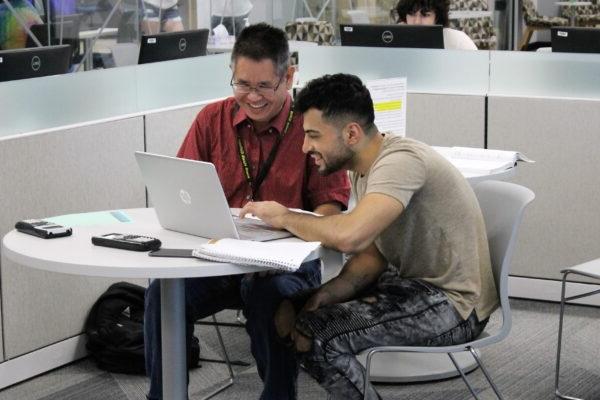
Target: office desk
77	255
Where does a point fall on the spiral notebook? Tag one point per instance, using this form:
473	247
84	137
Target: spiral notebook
285	256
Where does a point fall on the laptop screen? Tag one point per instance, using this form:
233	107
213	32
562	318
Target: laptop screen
34	62
575	40
173	45
402	35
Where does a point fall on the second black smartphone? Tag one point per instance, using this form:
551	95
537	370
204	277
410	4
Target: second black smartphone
127	242
183	253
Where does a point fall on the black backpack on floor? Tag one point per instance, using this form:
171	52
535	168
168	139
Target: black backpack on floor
115	331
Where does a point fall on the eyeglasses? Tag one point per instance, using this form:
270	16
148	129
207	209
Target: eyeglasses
262	89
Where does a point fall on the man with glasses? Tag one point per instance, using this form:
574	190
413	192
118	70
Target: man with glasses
255	141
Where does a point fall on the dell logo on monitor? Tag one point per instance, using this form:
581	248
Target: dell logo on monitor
182	44
185	197
36	63
387	36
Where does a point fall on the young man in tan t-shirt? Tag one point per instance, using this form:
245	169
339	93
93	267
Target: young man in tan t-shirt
420	273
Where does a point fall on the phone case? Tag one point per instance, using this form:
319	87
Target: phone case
127	242
42	229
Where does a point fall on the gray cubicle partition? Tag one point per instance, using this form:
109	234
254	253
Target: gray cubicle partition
446	89
61	172
427	71
546	106
562	226
446	119
30	105
165	130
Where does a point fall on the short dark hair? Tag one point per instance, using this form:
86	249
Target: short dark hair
261	41
340	97
440	7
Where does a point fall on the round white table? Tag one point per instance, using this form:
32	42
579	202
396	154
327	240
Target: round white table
77	255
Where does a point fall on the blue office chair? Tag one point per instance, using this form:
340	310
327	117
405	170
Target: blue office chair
502	205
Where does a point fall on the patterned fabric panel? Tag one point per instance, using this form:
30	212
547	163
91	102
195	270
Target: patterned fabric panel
480	30
468	5
584	15
533	19
320	32
588	20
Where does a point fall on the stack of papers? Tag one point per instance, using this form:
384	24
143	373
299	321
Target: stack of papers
475	161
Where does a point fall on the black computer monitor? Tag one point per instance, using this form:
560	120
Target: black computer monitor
34	62
401	35
66	28
575	40
173	46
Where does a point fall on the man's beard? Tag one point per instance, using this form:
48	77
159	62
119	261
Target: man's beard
334	162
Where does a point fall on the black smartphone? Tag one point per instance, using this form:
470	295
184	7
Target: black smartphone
183	253
127	242
43	229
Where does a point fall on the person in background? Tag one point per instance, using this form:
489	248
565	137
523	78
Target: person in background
232	14
12	34
239	135
433	12
160	16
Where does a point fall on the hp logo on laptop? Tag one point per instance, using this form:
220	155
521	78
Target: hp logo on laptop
185	197
387	36
182	44
36	63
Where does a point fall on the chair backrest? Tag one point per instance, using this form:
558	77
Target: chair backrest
529	11
502	205
320	32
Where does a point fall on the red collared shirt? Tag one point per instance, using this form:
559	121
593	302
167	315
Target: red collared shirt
293	179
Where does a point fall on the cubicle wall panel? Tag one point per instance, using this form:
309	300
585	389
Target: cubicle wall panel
165	130
446	120
1	338
561	227
61	172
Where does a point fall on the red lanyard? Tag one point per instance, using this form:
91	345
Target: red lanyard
262	173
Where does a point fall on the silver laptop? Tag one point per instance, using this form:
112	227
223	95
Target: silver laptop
188	197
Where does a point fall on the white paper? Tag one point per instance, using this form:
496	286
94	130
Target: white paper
389	102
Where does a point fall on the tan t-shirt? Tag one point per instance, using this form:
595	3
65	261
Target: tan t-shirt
440	236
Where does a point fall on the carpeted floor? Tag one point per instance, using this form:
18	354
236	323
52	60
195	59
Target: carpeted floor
522	366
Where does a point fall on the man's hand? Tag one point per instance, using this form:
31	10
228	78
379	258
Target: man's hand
270	212
318	300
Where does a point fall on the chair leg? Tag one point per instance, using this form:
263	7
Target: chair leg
485	373
558	347
463	376
230	381
526	38
367	373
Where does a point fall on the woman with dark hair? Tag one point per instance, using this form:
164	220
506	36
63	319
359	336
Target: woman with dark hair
433	12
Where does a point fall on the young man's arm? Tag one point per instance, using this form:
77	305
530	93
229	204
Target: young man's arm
361	271
332	208
349	233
